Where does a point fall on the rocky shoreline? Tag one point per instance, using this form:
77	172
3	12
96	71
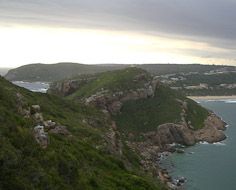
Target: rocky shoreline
154	144
160	143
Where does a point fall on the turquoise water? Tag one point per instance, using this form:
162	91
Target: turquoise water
210	166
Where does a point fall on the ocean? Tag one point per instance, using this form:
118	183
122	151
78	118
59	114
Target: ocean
33	86
209	166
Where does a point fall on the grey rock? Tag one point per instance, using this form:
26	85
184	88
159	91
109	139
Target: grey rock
60	130
41	136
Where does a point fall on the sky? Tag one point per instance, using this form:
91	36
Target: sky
117	31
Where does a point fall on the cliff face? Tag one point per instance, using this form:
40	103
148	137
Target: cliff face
146	115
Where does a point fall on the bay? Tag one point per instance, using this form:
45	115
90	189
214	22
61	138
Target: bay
209	166
33	86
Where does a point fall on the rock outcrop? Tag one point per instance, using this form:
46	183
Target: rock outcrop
181	134
41	136
44	127
113	101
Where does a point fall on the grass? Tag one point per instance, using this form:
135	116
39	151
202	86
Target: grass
145	115
67	163
196	114
120	80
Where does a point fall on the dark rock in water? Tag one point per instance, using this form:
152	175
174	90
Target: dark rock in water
181	151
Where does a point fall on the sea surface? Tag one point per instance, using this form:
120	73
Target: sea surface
33	86
209	166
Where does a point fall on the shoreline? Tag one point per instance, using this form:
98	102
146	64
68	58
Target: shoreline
233	97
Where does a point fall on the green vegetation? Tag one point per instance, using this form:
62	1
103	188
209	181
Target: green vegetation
114	81
68	162
196	114
162	69
55	72
146	114
59	71
218	84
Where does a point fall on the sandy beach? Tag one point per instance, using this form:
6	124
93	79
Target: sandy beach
213	97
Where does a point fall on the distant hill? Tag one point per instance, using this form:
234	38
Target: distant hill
59	71
4	71
54	72
162	69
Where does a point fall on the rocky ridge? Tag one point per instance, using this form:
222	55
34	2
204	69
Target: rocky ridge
156	141
43	127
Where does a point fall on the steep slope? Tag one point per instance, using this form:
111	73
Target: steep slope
131	93
51	143
54	72
148	115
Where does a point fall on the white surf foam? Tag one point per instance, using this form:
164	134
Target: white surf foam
203	142
230	101
219	143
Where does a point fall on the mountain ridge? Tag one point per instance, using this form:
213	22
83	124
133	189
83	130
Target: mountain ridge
59	71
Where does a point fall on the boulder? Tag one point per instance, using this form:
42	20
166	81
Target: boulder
41	136
60	130
49	124
35	109
38	117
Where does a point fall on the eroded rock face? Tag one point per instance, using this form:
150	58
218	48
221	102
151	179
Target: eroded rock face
214	121
67	87
210	135
173	133
213	130
182	134
112	102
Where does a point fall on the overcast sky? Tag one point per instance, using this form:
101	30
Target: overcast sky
117	31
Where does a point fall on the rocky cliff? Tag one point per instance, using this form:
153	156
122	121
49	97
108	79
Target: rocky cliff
147	116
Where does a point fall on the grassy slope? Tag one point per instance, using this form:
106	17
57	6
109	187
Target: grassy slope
68	163
144	114
120	80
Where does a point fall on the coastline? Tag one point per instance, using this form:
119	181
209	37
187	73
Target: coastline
233	97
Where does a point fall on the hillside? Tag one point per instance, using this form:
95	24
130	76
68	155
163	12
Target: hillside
164	69
54	72
139	92
73	148
148	114
59	71
203	84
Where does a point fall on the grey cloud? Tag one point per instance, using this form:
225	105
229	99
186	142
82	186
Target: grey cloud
212	21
